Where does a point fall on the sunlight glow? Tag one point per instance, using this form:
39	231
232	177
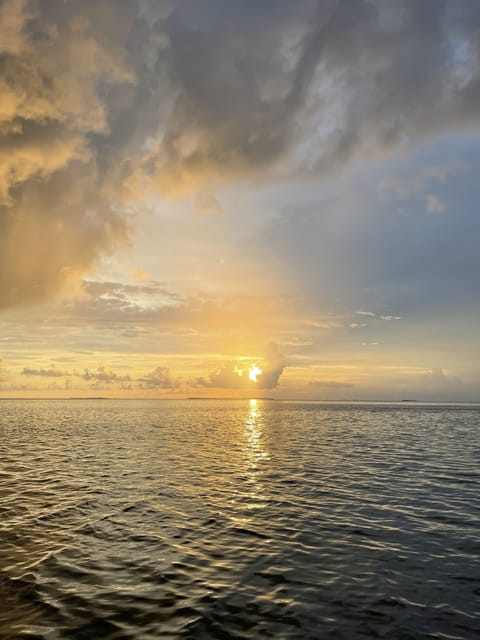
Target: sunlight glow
253	372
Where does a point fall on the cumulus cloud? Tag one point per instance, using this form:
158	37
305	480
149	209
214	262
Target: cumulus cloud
102	101
57	59
436	379
102	376
159	378
228	376
238	374
272	366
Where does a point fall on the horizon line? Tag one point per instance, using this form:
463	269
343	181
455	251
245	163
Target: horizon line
231	398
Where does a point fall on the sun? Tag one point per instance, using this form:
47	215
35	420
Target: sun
253	372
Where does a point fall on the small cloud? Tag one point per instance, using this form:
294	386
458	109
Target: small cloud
435	204
45	373
102	376
357	325
370	314
370	344
159	378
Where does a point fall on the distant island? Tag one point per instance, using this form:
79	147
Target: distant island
90	398
231	398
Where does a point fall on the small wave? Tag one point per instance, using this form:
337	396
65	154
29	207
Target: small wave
206	521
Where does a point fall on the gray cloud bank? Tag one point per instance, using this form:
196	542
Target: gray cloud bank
102	101
45	373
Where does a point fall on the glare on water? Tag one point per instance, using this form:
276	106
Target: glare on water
242	519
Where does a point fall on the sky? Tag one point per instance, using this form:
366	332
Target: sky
222	198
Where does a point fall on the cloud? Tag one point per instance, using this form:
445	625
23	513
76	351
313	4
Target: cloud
252	85
439	384
437	380
13	14
131	332
236	374
226	377
57	61
154	306
108	300
435	204
369	314
104	101
272	366
405	188
45	373
102	376
159	378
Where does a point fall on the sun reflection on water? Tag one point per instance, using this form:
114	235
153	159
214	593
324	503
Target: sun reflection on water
254	442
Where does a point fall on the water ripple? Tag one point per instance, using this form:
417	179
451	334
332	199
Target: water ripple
210	520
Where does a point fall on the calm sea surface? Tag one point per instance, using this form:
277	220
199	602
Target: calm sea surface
206	519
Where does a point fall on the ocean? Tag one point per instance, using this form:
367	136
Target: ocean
208	519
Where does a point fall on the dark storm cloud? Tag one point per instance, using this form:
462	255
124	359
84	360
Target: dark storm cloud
250	81
103	100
